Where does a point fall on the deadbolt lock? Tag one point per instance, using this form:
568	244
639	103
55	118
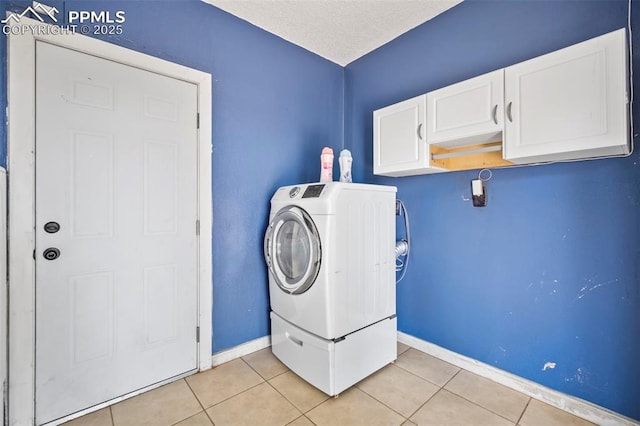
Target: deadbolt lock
51	253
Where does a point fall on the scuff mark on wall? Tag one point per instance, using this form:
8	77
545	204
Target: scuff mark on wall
588	289
578	377
548	365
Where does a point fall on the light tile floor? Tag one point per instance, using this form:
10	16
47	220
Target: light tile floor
257	389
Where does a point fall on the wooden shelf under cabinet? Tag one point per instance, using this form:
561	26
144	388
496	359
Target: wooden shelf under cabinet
468	157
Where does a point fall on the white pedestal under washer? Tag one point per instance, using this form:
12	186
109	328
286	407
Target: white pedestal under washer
330	252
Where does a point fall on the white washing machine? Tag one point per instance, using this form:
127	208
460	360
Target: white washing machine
329	248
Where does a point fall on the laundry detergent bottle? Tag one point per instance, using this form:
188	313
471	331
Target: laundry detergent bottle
326	165
345	161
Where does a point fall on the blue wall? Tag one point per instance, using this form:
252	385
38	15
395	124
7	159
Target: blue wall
549	270
275	106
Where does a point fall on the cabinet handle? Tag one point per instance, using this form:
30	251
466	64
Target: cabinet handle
420	131
509	112
495	114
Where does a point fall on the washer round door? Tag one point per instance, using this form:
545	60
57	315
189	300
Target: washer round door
292	250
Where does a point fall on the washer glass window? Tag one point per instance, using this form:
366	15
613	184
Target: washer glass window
292	250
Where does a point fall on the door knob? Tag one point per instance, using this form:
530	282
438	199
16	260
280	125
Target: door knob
51	227
51	253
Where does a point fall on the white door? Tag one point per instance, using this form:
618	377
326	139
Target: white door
399	139
569	104
116	244
466	113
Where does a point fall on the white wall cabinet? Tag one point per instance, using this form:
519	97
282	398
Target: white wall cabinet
399	139
466	113
569	104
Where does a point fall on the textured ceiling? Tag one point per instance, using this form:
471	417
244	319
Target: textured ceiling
338	30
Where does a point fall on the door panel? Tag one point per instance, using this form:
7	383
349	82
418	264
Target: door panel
466	113
160	188
92	315
92	198
116	167
569	104
399	147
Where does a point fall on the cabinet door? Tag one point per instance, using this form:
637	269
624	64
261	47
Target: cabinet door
399	145
466	113
569	104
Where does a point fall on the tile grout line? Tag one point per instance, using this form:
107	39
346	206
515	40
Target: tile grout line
420	377
265	380
204	410
423	404
239	393
194	394
452	377
461	396
407	348
231	396
303	413
381	402
299	417
254	370
285	398
478	405
278	375
486	408
407	418
523	411
441	388
569	404
425	379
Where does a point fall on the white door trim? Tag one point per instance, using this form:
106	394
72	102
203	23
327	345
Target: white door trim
21	198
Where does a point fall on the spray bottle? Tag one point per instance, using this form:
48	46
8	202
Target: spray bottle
326	165
345	161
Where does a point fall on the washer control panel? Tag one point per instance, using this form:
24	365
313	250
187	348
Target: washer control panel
313	191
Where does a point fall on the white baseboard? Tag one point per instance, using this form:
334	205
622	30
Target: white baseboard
240	350
568	403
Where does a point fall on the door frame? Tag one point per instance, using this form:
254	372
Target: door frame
21	62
